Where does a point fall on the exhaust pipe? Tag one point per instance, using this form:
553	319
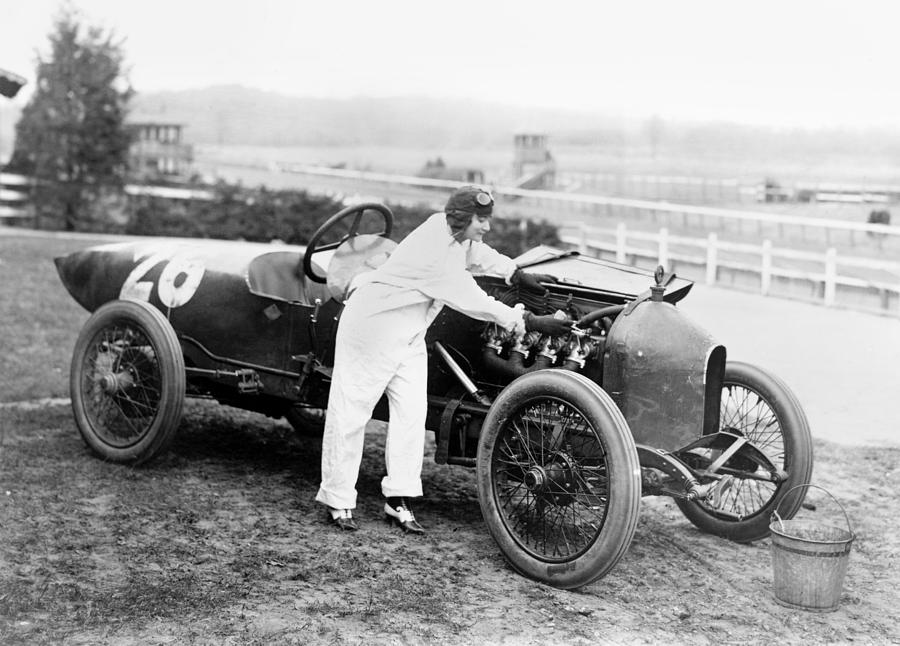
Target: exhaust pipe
463	378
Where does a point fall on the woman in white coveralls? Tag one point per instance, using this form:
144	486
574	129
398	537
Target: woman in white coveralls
380	348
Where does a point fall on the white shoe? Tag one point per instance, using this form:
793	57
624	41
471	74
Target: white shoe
397	511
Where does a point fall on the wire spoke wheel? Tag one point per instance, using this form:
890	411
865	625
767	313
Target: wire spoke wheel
761	408
127	381
746	412
552	480
558	478
121	383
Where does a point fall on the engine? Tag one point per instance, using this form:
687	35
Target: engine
507	355
663	371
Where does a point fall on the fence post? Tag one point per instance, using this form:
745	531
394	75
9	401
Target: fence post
830	275
583	241
765	272
712	253
621	256
664	247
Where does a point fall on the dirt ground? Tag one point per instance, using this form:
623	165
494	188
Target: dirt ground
220	542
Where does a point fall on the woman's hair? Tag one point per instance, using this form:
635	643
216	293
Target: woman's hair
465	202
458	221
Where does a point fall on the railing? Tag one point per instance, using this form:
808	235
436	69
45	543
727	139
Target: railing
15	196
691	190
563	208
170	192
862	283
781	226
571	208
709	190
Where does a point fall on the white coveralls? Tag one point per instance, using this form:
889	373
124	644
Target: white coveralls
380	348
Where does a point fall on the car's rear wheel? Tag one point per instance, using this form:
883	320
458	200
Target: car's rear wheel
127	382
761	408
558	478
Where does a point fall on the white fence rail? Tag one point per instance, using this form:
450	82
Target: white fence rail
828	277
700	190
690	190
15	194
564	208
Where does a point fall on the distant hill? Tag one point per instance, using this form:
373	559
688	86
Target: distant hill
234	115
238	115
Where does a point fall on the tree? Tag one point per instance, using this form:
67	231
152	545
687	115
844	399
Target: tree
72	136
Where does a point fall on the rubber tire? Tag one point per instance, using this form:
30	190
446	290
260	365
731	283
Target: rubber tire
623	510
157	437
798	459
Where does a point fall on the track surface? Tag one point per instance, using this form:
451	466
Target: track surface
843	365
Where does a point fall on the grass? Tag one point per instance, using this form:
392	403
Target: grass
39	319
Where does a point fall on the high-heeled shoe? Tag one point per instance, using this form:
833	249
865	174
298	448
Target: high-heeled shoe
397	512
342	519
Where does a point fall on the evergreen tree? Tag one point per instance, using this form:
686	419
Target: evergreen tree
72	136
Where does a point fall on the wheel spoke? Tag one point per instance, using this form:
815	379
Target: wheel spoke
551	443
121	384
748	414
524	441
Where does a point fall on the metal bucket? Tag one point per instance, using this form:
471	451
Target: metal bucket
809	560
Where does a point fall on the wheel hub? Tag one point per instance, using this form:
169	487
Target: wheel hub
116	382
554	483
535	479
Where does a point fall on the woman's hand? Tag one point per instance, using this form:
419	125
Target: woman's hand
532	282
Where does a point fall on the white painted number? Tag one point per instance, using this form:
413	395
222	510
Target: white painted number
133	287
178	280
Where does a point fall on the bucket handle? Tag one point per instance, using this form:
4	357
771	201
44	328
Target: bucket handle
844	511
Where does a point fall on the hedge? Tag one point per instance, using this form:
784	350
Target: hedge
262	215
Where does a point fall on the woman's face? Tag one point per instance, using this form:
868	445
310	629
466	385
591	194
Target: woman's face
479	225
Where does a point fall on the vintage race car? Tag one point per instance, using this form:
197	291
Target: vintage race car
566	433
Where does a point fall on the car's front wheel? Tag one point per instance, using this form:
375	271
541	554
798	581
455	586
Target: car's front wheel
558	478
759	407
127	382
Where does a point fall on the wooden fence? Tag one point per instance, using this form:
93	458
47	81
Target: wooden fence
569	208
16	205
690	190
827	277
718	190
15	196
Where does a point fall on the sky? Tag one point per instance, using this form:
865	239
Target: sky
785	63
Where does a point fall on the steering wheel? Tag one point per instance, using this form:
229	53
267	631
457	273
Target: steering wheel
356	212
